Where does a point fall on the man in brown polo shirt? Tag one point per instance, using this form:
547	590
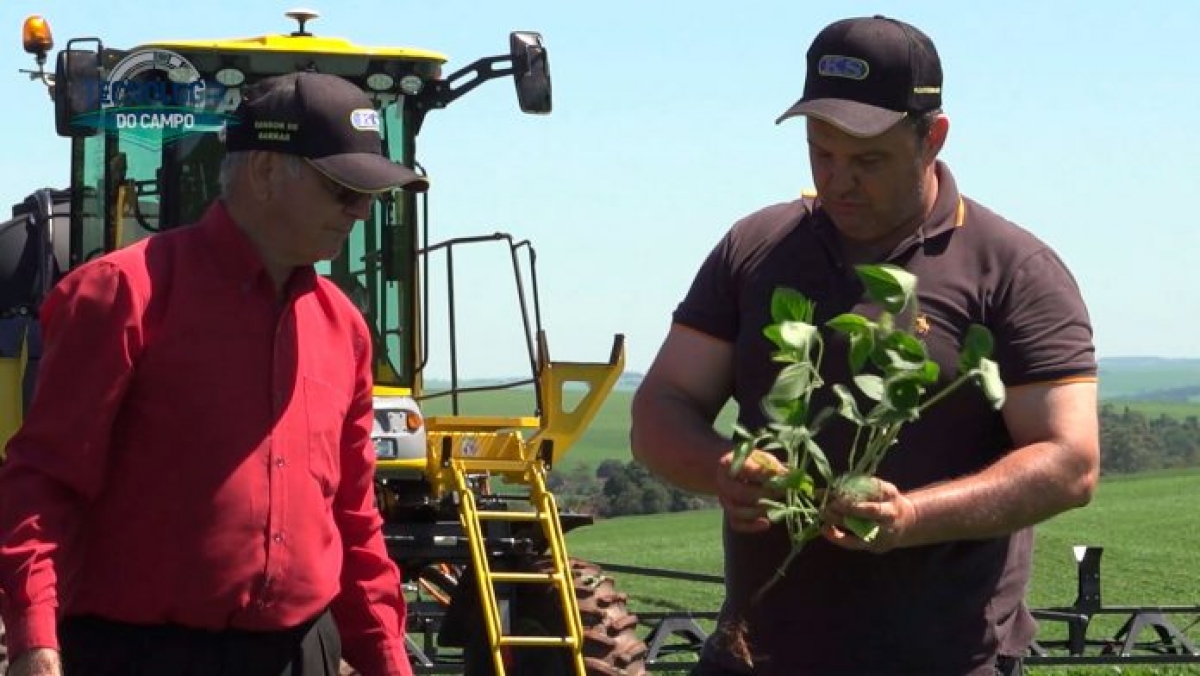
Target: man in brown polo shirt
941	590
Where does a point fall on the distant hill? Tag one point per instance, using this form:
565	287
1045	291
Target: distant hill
1150	379
1131	378
1125	378
629	380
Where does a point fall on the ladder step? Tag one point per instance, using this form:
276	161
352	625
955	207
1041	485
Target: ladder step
538	641
526	577
510	516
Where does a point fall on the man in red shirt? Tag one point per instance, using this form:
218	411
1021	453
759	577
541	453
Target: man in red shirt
192	489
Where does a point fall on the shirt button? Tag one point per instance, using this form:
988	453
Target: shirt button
279	462
278	537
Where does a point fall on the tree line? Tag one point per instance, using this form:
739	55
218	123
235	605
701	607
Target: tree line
1130	441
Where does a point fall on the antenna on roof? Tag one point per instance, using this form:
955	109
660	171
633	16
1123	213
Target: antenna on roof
302	16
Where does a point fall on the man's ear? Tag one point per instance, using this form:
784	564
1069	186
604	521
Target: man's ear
936	138
261	168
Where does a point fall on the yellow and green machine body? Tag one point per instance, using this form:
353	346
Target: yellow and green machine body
140	165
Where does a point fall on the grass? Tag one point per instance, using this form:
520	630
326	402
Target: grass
1148	525
606	438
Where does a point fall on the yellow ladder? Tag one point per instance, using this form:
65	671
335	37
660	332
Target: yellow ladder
544	512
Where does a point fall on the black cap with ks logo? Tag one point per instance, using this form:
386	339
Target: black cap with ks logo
866	74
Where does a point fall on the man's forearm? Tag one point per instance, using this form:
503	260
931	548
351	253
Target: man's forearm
1026	487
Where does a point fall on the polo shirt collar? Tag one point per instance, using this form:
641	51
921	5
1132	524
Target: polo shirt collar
948	210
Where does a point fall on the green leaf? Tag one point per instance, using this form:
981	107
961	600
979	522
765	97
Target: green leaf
771	331
819	461
796	479
789	305
798	336
890	286
977	346
793	382
847	406
903	392
786	412
870	385
742	432
861	333
928	373
903	351
740	452
987	375
856	487
850	323
861	347
865	529
793	436
818	420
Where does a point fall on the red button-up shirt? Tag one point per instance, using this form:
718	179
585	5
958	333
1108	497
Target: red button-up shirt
198	452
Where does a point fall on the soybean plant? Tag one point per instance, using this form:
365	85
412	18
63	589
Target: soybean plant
891	372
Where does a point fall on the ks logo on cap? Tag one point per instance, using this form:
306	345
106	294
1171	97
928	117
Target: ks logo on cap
833	65
363	119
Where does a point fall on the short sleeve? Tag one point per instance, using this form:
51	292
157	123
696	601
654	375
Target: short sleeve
1043	329
710	305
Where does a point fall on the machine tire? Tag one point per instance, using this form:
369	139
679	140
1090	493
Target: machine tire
611	646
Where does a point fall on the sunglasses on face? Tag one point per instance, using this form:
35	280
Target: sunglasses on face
344	195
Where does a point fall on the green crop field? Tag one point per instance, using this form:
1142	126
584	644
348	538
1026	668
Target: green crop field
1153	409
606	438
1149	526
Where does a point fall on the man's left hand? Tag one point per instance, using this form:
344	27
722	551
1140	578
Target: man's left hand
893	511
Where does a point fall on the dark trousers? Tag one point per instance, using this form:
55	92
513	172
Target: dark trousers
93	646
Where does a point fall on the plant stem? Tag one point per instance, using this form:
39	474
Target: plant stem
944	392
797	546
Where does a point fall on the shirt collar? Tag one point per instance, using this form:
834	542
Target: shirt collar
236	255
948	211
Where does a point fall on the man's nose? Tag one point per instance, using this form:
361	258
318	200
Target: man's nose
842	177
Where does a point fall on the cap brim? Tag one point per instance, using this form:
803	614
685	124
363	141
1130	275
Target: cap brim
367	172
852	117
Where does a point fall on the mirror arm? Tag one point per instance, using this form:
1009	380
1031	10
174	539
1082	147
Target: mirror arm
444	92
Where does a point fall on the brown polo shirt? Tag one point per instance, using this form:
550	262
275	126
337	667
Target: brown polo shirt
947	608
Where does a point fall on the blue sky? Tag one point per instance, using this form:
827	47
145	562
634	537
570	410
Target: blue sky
1078	120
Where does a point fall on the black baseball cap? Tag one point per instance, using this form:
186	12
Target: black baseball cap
866	74
324	119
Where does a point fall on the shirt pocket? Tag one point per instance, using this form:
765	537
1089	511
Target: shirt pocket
325	409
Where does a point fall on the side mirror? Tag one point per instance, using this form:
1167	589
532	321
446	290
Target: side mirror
77	93
531	71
